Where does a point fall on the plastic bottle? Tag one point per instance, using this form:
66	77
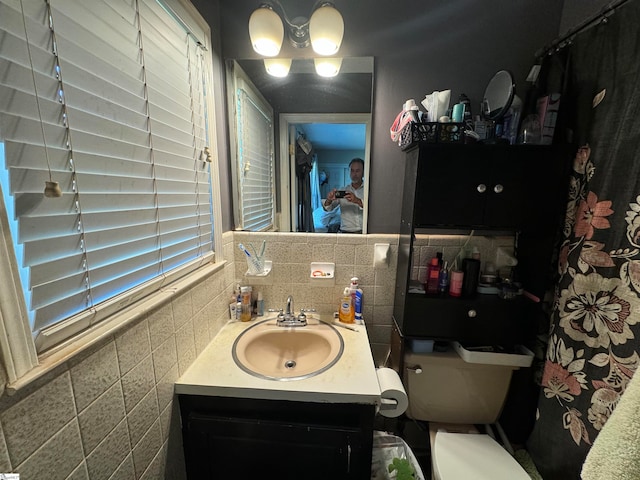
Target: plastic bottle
467	117
356	295
433	273
238	301
455	287
345	314
233	303
245	302
443	279
260	305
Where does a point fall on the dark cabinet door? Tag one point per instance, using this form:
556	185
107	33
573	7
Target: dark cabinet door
228	437
271	449
446	191
481	319
469	186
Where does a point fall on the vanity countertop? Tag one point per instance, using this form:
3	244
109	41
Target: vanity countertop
352	379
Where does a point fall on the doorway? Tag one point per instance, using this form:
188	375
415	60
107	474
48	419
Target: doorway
336	139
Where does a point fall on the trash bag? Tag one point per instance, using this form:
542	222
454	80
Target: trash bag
386	448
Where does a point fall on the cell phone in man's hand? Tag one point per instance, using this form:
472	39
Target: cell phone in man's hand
341	193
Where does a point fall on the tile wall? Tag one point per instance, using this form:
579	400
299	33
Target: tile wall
109	412
292	254
458	247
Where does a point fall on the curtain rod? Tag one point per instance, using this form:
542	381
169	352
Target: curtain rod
564	40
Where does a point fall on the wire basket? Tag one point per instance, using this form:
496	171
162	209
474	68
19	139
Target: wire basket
430	132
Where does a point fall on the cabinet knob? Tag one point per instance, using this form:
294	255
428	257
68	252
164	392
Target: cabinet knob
481	188
472	313
416	369
498	188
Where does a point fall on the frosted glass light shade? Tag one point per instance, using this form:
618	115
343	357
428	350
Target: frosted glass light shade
326	29
277	67
327	67
266	32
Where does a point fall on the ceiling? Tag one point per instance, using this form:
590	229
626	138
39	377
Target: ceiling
335	136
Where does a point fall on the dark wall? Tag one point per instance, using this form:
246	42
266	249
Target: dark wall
419	47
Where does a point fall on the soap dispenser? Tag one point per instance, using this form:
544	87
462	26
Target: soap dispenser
345	314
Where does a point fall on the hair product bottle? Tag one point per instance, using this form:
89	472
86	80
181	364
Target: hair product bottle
443	279
433	273
245	302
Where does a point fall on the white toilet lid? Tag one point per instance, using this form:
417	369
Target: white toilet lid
469	455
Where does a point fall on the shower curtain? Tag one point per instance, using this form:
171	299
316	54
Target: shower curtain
594	336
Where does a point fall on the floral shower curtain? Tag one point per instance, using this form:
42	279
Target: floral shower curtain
594	338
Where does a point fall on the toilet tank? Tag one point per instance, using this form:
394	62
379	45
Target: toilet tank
451	390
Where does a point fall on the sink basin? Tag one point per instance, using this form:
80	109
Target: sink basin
268	351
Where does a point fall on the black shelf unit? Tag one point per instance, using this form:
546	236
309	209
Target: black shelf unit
491	189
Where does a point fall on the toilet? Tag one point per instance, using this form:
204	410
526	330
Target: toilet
453	395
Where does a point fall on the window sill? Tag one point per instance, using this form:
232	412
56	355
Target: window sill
79	343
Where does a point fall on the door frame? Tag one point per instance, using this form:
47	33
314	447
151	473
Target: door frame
287	221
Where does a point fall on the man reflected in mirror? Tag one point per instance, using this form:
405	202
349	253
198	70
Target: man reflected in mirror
350	199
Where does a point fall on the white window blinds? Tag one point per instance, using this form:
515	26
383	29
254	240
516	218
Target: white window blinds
255	164
119	93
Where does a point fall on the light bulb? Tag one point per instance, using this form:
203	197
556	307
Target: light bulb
277	67
326	29
327	67
266	32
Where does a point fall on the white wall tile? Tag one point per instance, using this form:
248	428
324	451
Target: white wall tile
101	416
92	376
107	457
36	418
57	458
138	382
145	451
125	470
133	345
142	417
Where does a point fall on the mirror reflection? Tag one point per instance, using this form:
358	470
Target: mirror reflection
331	117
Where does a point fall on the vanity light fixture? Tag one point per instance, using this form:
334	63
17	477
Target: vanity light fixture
328	67
324	30
277	67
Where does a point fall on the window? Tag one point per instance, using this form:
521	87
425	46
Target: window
254	184
109	99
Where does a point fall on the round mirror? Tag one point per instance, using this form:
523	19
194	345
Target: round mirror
498	95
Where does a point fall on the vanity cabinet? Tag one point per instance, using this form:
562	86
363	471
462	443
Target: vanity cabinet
483	186
491	189
228	437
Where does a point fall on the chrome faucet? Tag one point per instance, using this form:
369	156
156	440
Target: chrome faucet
288	318
289	309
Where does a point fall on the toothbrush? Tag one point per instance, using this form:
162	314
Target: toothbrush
254	261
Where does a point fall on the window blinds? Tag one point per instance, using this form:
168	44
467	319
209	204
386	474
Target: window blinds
255	164
120	88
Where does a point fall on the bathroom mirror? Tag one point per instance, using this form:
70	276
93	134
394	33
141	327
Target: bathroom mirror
498	95
304	93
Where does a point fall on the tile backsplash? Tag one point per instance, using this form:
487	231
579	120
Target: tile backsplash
458	247
109	412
